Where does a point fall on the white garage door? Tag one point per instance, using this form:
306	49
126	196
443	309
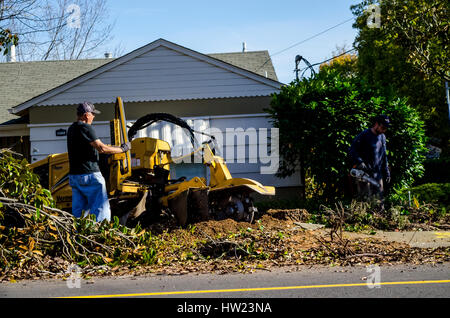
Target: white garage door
250	147
47	139
248	143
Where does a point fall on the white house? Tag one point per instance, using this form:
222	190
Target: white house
224	94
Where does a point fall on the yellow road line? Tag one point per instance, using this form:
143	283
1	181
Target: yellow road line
260	289
442	234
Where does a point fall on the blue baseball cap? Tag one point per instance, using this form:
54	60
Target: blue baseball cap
384	120
86	107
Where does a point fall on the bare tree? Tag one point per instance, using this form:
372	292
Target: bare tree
57	29
10	12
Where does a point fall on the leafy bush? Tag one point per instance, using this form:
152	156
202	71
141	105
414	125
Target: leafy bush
19	182
319	117
438	193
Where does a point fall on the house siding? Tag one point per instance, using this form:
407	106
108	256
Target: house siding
162	74
133	111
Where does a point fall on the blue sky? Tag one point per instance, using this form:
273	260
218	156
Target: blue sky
221	26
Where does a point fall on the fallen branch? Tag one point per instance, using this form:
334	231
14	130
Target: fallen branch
364	255
55	231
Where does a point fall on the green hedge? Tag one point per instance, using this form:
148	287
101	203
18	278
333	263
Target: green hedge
319	117
438	193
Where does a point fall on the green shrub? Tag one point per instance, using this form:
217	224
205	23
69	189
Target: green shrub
318	118
17	181
438	193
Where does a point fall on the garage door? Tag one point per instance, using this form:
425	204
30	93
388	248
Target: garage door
47	139
248	143
250	147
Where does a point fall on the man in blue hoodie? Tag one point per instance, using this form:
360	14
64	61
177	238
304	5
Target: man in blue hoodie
368	153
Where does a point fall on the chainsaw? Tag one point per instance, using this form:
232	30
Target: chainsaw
363	176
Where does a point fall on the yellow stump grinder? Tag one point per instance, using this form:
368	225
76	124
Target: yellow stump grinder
139	184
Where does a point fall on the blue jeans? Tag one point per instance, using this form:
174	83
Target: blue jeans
89	195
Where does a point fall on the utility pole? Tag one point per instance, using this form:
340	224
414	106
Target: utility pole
298	58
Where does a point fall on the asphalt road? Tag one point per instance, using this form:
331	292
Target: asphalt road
406	281
283	292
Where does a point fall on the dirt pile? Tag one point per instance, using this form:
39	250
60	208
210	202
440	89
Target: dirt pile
273	219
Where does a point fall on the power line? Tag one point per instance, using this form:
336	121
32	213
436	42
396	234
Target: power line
303	41
311	37
311	66
346	52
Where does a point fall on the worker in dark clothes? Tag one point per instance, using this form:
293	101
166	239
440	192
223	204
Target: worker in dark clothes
88	185
368	153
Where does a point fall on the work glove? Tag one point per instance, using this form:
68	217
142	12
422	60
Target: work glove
125	146
388	179
362	166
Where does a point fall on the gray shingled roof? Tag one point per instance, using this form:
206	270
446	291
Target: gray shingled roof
22	81
258	62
